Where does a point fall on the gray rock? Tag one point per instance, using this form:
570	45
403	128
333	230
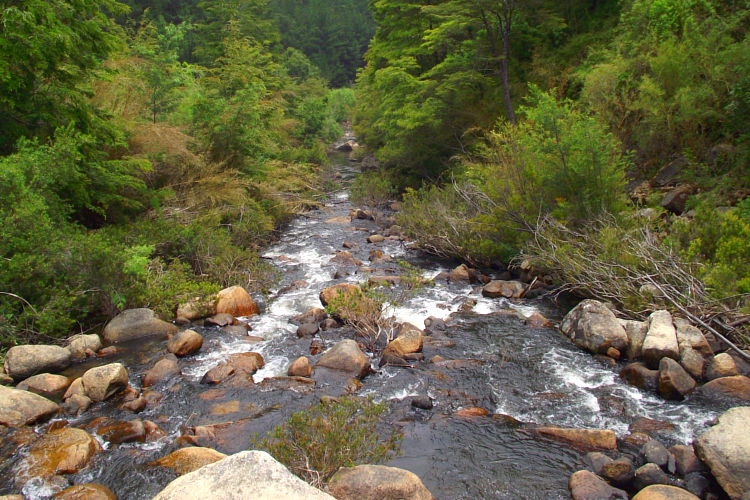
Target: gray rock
636	332
722	365
104	381
591	325
661	339
686	462
619	472
656	453
135	324
23	361
347	357
596	460
79	344
641	376
248	474
585	485
693	362
674	381
649	474
19	407
692	337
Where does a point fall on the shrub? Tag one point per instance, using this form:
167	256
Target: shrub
316	442
373	188
362	309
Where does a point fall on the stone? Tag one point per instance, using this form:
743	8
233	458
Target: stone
133	324
87	491
76	387
619	472
19	407
76	404
62	451
300	367
674	381
499	288
329	293
722	365
47	385
243	364
636	332
596	460
649	474
586	439
669	172
726	389
585	485
661	339
153	431
307	330
236	301
408	340
185	343
692	337
23	361
686	462
377	482
693	363
435	324
641	376
136	405
346	356
537	320
591	325
186	460
654	452
471	412
196	309
220	319
675	200
101	382
248	362
465	274
123	432
248	474
312	315
648	425
725	448
422	402
664	492
375	238
79	344
164	369
345	257
329	323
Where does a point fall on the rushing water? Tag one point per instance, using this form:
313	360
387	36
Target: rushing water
533	375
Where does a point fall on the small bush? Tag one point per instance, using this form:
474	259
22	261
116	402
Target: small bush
373	188
316	442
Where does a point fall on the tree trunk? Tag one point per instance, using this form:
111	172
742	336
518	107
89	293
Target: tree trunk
504	70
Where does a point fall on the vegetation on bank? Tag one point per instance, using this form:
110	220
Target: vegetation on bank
531	131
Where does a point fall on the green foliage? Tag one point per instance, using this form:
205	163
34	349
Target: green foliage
341	104
316	442
373	188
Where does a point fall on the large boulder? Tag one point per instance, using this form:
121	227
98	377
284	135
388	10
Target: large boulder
674	381
196	309
184	343
101	382
725	448
722	365
186	460
641	376
408	341
347	357
664	492
19	407
134	324
241	366
726	389
300	367
636	332
236	301
248	474
661	339
377	482
48	385
345	289
585	485
675	200
691	337
23	361
62	451
80	345
591	325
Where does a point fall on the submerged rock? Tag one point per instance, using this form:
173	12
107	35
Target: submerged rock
586	439
62	451
87	491
164	369
377	482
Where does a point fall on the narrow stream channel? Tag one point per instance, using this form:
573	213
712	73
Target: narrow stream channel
532	375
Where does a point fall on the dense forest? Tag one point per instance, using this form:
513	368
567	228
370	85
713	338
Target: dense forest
150	147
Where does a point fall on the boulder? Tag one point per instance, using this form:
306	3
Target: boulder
619	472
595	461
220	319
101	382
693	363
307	330
377	482
248	474
537	320
586	439
465	274
641	376
76	404
78	345
331	292
664	492
692	337
649	474
636	332
23	361
409	340
585	485
123	432
675	200
186	460
19	407
196	309
347	357
722	365
674	381
654	452
312	315
375	238
346	258
591	325
471	412
46	384
300	367
726	389
62	451
134	324
725	448
661	339
164	369
242	365
686	462
236	301
86	491
185	343
499	288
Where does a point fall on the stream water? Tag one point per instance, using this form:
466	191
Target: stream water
532	375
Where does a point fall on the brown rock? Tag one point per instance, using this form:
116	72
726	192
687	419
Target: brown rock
220	319
249	362
86	492
123	432
586	439
619	472
648	425
409	340
471	412
685	460
639	375
345	257
164	369
375	238
101	382
329	293
674	381
300	367
187	460
649	474
307	330
377	482
136	405
153	431
664	492
675	200
196	309
498	288
237	302
661	339
134	324
596	460
19	407
76	404
735	388
46	384
693	363
537	320
23	361
346	356
312	315
585	485
691	337
63	451
79	345
185	343
722	365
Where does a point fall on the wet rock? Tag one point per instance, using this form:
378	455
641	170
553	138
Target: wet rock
620	472
153	431
248	474
664	492
585	485
76	404
164	369
46	384
596	460
537	320
186	460
249	362
675	200
350	244
648	425
498	288
591	325
329	293
346	356
661	339
243	364
312	315
697	484
220	319
101	382
464	274
329	323
722	365
63	451
674	381
317	346
300	367
344	257
123	432
363	214
108	351
471	412
239	331
136	405
639	375
422	402
586	439
686	462
87	491
19	407
435	324
78	345
236	301
384	280
134	324
637	439
725	448
307	330
375	238
649	474
23	361
377	482
693	363
185	343
636	333
655	452
409	340
726	389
